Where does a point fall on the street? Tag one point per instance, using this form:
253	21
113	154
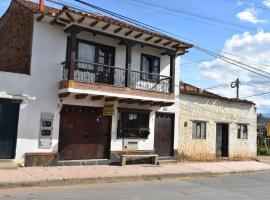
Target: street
248	186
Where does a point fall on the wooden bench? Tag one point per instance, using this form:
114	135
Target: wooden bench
124	158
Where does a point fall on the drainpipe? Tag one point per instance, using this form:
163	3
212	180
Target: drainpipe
41	5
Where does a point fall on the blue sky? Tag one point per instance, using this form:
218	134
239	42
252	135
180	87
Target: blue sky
247	44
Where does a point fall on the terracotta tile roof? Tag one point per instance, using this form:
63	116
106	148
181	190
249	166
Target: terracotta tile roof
35	7
193	90
54	12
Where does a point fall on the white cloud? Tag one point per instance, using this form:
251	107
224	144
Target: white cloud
252	49
250	15
266	3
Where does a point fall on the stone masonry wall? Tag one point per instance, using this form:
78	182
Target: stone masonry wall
193	107
16	29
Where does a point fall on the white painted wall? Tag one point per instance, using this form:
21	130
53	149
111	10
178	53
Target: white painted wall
48	51
194	107
42	86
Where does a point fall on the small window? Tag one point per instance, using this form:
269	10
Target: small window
242	131
133	124
199	130
150	68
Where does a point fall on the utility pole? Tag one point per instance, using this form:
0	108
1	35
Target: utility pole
235	84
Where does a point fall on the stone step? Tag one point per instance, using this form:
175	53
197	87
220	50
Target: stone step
8	164
164	162
83	162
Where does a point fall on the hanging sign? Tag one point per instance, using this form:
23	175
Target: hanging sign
109	108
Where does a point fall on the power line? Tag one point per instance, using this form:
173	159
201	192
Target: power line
259	94
157	30
231	61
197	15
222	85
252	5
176	10
178	16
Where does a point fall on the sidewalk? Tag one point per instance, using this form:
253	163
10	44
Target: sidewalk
49	176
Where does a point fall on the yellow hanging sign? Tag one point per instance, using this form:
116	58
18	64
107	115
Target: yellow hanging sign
109	108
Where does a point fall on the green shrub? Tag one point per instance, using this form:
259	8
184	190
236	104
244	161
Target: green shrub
262	151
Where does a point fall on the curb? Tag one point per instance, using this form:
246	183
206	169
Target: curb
119	179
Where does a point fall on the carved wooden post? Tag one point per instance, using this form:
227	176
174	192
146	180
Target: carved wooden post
172	73
72	52
128	63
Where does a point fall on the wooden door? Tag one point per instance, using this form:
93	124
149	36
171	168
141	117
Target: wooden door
222	140
84	134
164	130
219	140
105	56
9	113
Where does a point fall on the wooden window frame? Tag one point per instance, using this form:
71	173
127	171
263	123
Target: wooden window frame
90	43
97	45
194	132
151	79
243	136
140	133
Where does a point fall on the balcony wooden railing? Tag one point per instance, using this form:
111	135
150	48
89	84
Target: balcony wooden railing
120	77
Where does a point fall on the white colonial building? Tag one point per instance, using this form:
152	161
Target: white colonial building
213	127
83	86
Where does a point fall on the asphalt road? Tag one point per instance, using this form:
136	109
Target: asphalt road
246	187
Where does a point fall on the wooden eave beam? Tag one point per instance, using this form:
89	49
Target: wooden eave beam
158	41
157	103
167	43
138	35
165	104
175	46
128	33
169	52
54	21
68	29
181	53
133	101
149	38
146	102
96	98
81	20
60	24
122	100
70	16
118	30
81	96
94	23
64	20
64	95
106	26
108	99
40	18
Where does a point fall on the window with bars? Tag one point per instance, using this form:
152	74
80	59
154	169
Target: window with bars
242	131
133	124
198	130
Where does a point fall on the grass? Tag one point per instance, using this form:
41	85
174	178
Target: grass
262	151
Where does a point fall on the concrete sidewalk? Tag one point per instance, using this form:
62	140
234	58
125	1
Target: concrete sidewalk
48	176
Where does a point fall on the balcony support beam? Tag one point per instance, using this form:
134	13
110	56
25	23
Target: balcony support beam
172	72
72	52
128	61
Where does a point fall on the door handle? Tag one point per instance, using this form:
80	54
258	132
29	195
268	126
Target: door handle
86	136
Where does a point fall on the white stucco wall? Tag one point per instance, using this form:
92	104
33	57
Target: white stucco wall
48	51
42	86
193	107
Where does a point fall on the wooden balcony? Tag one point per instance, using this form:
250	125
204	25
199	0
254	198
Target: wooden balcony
118	81
86	72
